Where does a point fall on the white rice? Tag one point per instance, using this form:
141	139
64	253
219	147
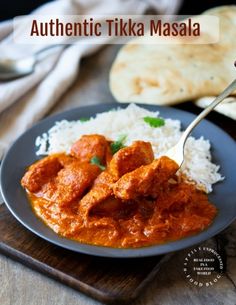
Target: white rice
197	166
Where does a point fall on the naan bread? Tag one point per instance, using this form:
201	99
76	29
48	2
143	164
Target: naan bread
169	74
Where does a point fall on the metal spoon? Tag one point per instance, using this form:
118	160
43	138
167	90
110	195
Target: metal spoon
176	153
15	68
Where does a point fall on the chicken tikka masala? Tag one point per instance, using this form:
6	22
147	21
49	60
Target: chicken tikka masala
120	199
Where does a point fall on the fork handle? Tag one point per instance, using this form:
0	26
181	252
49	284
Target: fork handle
231	88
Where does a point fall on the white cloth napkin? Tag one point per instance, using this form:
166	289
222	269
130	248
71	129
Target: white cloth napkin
26	100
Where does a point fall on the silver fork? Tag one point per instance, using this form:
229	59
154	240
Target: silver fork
176	153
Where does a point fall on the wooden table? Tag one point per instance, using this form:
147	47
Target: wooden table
22	286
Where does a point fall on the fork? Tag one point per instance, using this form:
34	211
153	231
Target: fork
176	153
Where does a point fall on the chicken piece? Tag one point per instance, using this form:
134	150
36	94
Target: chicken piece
101	195
43	171
101	190
71	183
105	178
145	180
129	158
89	146
109	207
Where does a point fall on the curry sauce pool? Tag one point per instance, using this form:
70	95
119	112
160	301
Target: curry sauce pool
123	199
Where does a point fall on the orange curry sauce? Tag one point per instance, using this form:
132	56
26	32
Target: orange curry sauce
136	201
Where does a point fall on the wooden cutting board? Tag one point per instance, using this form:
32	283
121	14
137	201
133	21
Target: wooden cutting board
113	281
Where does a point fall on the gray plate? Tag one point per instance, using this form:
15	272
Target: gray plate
22	153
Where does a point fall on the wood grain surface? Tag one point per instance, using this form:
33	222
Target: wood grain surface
23	286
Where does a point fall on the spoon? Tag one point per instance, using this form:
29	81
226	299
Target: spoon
16	68
176	153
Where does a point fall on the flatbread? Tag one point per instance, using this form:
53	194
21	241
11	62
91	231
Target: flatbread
169	74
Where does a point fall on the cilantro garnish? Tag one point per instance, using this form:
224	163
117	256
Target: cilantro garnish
117	145
95	160
154	122
84	119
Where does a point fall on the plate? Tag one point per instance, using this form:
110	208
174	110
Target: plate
23	153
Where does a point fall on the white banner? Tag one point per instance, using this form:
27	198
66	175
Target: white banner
100	29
